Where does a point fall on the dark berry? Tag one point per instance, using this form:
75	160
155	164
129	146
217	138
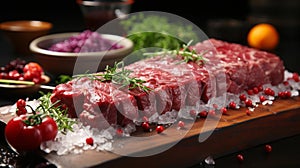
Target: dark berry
240	157
243	97
159	129
145	126
89	141
269	91
21	103
268	148
193	113
232	105
21	111
296	77
248	112
248	103
119	132
203	114
250	92
262	98
255	90
180	124
224	110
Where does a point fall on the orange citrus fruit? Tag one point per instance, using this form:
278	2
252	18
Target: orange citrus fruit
263	36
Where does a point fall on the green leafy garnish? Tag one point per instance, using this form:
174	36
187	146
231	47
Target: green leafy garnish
60	115
155	32
63	79
117	75
186	53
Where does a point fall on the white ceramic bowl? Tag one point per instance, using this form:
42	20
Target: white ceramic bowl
57	63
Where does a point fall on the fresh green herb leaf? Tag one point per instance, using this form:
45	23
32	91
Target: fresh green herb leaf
63	79
186	53
117	75
156	31
60	115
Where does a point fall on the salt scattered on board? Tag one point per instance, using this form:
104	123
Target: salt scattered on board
75	141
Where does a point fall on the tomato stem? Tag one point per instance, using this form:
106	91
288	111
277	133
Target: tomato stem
34	119
32	110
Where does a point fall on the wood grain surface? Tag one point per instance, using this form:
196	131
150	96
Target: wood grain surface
182	147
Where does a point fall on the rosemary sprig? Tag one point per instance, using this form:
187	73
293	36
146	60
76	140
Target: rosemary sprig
186	53
63	79
117	75
63	122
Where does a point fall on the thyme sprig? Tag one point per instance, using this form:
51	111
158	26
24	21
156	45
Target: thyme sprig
188	54
60	115
117	75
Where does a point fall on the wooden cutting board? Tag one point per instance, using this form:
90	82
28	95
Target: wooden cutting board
182	148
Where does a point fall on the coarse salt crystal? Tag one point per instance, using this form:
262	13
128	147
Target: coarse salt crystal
74	141
294	93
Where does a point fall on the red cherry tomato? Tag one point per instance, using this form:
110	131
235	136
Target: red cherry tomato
33	67
14	75
33	72
21	103
28	137
21	111
22	137
48	128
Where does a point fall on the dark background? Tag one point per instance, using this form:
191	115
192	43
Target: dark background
224	19
66	14
228	20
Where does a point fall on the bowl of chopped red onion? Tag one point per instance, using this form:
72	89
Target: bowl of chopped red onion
58	53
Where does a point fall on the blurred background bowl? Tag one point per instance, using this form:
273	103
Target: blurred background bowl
98	12
16	91
21	32
63	63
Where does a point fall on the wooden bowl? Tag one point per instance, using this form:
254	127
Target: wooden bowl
21	90
22	32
